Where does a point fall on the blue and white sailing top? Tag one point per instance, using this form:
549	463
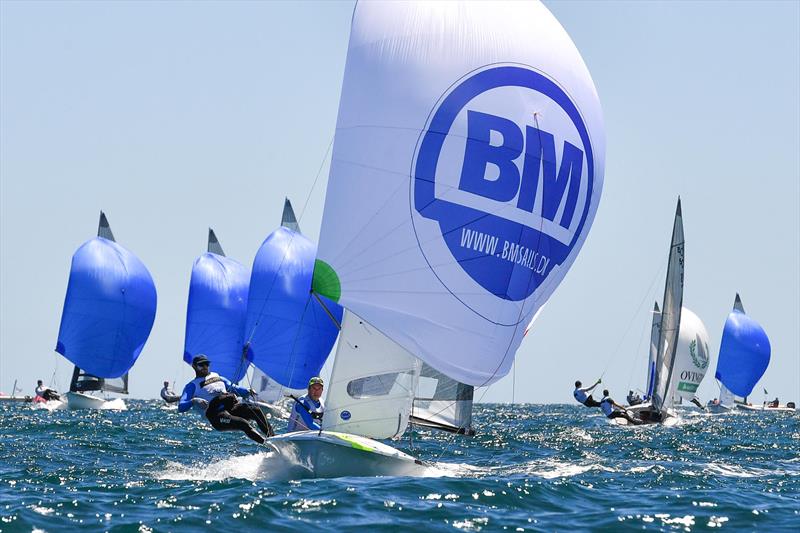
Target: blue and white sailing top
207	388
607	405
580	395
301	418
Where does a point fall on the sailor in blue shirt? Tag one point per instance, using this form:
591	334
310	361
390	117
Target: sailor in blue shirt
308	409
217	396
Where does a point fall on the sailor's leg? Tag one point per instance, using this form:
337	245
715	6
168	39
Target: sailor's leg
251	412
228	422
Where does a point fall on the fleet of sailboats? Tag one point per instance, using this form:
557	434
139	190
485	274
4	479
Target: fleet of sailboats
467	169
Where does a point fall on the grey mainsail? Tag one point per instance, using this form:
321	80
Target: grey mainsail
442	403
214	247
670	314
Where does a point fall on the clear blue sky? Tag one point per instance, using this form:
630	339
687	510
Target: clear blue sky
176	116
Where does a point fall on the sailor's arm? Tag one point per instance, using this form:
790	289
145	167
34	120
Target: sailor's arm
185	403
236	389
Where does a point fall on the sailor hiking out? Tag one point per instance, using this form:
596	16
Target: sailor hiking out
583	395
45	393
308	409
217	395
608	407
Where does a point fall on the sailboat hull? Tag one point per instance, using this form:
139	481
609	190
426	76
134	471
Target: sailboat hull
79	400
781	408
328	454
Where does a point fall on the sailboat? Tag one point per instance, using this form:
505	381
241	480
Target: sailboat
215	311
108	313
466	172
661	365
288	332
744	355
442	403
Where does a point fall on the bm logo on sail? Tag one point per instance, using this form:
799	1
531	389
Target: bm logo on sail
509	191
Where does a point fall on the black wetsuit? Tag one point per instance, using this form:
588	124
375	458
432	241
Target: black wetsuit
226	414
610	412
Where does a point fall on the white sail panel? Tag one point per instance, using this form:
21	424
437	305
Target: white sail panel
691	357
372	383
466	172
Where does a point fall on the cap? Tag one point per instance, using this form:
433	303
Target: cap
199	359
315	381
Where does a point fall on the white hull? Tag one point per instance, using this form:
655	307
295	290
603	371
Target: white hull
781	408
79	400
718	409
51	405
327	454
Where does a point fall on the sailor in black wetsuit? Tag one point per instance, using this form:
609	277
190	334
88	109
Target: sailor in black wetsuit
167	395
217	396
582	396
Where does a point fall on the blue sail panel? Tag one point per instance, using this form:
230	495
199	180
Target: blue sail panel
215	314
288	333
108	311
743	354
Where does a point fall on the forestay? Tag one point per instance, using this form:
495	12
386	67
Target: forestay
109	308
466	172
744	352
216	311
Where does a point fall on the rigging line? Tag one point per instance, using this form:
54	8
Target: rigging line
294	345
633	318
639	352
319	171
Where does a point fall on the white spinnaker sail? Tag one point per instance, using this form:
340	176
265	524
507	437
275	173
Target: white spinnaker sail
691	357
466	172
372	383
670	314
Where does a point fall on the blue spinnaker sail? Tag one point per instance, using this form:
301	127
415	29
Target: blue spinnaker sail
288	332
215	314
108	311
743	354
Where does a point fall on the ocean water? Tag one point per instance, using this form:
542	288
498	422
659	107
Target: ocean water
530	468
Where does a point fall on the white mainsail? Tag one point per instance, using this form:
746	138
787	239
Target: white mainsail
372	383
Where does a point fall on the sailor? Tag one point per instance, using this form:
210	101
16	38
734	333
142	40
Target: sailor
608	405
308	409
217	395
168	395
582	396
45	393
634	398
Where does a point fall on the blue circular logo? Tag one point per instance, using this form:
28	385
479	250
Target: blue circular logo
510	198
345	415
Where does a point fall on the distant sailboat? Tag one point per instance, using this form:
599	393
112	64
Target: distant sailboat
288	334
439	237
108	313
662	359
744	355
216	310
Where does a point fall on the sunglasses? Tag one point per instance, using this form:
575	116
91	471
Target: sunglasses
201	364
